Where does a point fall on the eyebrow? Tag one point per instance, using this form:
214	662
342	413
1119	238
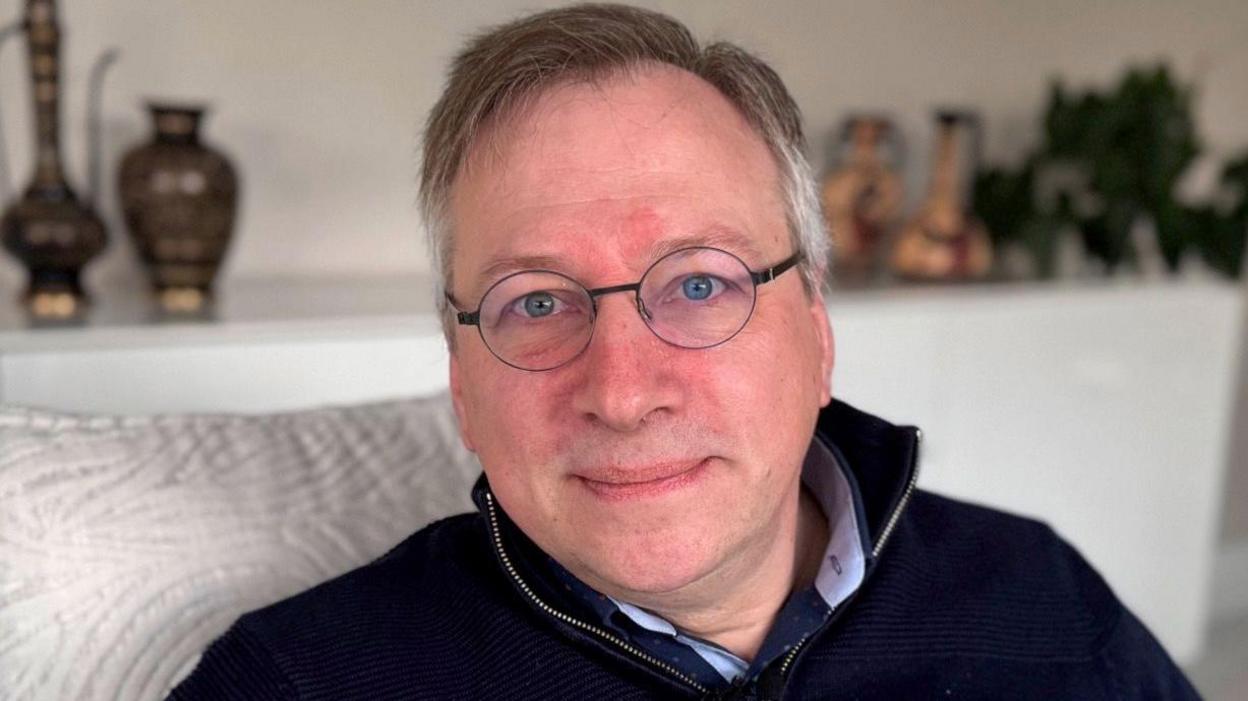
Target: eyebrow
728	239
500	266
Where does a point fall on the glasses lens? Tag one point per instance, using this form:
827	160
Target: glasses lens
536	320
697	297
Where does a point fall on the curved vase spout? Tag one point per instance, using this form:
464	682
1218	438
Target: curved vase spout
94	96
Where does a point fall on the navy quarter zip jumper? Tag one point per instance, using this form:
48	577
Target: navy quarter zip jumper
958	602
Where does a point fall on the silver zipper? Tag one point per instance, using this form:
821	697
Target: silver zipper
788	659
905	497
496	534
879	544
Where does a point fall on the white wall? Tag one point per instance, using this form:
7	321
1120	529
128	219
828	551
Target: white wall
320	102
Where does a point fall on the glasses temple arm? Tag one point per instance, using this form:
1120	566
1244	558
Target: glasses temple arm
765	276
464	318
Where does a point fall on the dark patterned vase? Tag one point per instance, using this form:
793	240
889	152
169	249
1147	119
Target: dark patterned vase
49	229
179	198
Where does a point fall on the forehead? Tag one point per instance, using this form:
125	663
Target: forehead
602	174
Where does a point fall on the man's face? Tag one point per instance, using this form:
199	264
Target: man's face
639	466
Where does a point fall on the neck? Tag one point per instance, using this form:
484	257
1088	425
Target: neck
736	609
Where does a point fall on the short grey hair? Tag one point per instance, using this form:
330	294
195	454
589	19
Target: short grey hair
504	66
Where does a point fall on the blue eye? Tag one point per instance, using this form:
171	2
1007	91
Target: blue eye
697	287
539	304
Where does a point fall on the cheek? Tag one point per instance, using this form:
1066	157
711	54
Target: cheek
513	417
783	351
762	388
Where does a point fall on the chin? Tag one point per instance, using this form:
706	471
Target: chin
651	568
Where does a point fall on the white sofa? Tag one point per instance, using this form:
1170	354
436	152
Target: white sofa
128	544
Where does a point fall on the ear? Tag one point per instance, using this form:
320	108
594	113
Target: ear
457	401
827	345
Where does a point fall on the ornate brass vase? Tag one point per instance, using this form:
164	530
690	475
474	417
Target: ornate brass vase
945	241
179	199
48	228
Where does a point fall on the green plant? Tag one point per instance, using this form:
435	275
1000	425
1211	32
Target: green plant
1106	161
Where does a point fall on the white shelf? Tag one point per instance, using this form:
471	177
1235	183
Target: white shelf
247	311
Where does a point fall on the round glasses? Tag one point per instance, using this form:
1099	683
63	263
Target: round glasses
691	298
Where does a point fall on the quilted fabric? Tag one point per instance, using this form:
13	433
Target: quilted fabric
128	544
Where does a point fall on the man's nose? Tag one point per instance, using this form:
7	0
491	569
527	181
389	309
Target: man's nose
627	371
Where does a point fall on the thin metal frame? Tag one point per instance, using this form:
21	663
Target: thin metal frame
758	277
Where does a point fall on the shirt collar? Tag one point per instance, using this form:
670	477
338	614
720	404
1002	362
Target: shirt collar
826	476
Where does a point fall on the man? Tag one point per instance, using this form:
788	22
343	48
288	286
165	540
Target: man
672	506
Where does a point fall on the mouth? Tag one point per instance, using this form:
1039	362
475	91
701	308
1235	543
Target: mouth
640	483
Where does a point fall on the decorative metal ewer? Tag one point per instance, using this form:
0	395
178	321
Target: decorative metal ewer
49	228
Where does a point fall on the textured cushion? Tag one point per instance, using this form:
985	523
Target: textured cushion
128	544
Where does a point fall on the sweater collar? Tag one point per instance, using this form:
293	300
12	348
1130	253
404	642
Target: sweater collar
883	459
